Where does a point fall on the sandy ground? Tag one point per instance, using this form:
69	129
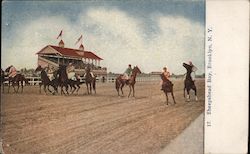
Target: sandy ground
101	123
191	140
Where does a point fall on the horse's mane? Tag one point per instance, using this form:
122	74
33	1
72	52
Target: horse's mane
8	68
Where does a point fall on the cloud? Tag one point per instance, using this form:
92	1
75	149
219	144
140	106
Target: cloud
119	38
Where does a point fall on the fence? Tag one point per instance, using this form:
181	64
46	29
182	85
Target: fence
138	79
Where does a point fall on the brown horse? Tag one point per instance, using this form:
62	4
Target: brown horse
90	81
120	82
46	81
167	87
16	80
63	80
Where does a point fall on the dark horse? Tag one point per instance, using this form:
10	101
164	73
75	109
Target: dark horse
188	82
167	87
63	78
16	80
46	81
2	79
90	81
120	82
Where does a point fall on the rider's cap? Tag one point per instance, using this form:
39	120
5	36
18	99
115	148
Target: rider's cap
129	65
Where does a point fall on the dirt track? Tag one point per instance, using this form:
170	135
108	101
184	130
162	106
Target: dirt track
101	123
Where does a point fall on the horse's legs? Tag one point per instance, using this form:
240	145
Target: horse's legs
188	96
78	87
9	86
44	88
87	88
62	92
67	87
13	85
2	86
93	85
133	87
172	93
90	88
122	87
166	93
22	85
73	85
49	89
184	91
40	86
18	86
117	87
195	91
129	90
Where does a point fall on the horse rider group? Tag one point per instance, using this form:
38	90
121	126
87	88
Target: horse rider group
12	72
166	75
70	69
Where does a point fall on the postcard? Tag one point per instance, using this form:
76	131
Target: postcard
124	77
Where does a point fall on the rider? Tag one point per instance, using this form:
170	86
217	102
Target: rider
90	71
12	72
50	70
71	71
127	74
165	78
194	69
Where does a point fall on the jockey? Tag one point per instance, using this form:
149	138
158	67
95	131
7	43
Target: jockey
12	72
127	74
165	78
90	71
50	70
71	71
194	69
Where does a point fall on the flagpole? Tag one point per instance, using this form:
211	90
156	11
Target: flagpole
81	39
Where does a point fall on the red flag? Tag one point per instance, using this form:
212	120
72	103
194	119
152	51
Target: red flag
60	35
78	39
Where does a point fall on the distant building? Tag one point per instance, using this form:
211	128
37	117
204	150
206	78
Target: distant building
59	55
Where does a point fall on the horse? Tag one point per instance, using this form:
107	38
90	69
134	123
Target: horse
17	79
189	83
120	82
2	79
63	79
167	87
46	81
90	81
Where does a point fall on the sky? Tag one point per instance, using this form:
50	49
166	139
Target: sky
149	34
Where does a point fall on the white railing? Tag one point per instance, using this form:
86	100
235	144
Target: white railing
32	81
36	80
138	79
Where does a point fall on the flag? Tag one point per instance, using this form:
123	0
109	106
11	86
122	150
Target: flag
60	35
78	39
